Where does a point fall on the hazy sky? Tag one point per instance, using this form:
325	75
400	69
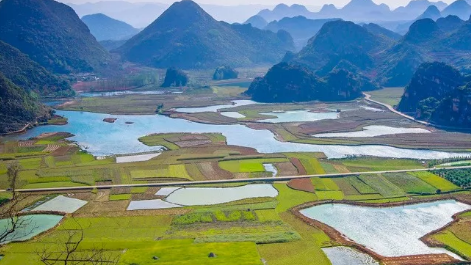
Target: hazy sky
339	3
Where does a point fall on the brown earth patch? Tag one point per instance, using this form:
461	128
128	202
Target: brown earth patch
52	148
286	169
120	190
299	166
148	195
212	171
183	144
110	120
340	168
302	185
432	259
26	143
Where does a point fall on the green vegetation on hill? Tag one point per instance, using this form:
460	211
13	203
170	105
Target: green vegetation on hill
437	92
25	73
206	43
431	80
293	83
51	34
341	41
17	107
383	56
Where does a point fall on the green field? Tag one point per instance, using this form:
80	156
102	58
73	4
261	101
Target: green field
248	165
390	95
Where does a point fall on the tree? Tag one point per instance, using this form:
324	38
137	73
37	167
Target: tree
66	251
10	211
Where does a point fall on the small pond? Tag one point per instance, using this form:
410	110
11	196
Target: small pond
215	108
212	196
390	232
61	204
235	115
348	256
373	131
33	225
299	116
271	168
136	158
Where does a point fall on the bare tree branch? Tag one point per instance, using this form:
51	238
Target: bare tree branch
66	251
10	211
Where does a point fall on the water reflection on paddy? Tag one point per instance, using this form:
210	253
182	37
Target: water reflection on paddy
373	131
390	232
215	108
348	256
33	225
212	196
299	116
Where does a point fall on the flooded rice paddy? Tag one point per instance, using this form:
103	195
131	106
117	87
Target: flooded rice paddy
299	116
178	197
391	232
102	139
136	158
235	115
373	131
216	108
348	256
61	204
33	225
271	168
212	196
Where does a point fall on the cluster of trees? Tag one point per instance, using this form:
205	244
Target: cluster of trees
225	72
175	78
459	177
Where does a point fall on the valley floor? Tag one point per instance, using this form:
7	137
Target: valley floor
262	224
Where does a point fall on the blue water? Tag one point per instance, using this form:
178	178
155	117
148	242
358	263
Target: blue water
390	232
101	138
32	225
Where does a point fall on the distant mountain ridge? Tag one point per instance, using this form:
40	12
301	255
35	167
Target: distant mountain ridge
199	41
459	8
355	10
103	28
386	60
51	34
300	28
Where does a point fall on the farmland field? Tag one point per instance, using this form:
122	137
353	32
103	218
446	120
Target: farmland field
242	230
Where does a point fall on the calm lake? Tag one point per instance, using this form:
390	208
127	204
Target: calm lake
101	138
